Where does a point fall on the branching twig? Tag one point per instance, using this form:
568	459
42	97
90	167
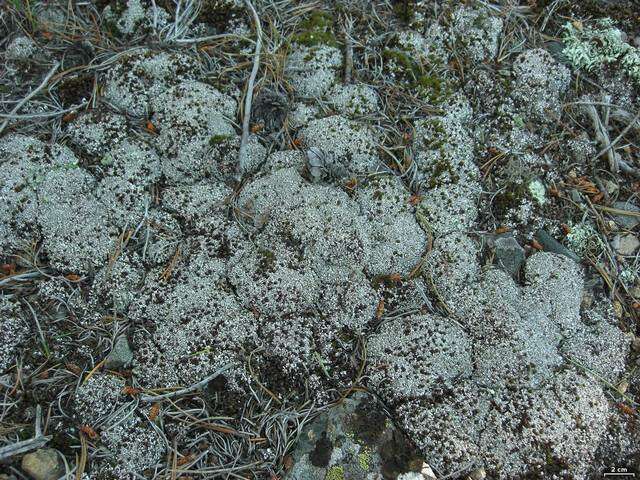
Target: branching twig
348	50
23	447
242	162
189	389
34	443
618	138
31	94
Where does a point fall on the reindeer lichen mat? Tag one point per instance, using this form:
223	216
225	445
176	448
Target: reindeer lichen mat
319	240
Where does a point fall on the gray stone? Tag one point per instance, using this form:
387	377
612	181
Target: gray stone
627	221
121	354
550	244
355	440
509	255
626	244
43	464
478	474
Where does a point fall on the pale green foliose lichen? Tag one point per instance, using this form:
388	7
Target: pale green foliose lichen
590	46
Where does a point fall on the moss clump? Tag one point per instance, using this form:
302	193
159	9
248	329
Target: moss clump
219	13
405	10
117	6
442	172
335	473
316	30
430	82
411	71
404	64
510	198
107	160
218	139
438	134
73	89
267	260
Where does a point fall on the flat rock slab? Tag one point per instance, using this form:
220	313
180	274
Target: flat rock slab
43	464
356	441
509	255
627	221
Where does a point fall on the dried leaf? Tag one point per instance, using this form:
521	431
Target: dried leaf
89	432
185	459
626	409
415	199
287	462
129	390
8	268
73	368
395	278
69	117
351	184
155	410
380	309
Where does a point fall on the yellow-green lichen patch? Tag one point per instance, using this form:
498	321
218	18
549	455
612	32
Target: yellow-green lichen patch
364	459
335	473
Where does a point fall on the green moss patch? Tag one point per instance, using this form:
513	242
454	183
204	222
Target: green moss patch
427	85
315	30
218	139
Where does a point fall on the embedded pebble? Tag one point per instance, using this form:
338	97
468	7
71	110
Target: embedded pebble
43	464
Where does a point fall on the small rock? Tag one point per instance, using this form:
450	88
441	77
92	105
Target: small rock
355	441
575	196
43	464
627	221
478	474
550	244
509	255
427	472
609	186
626	244
120	356
622	387
587	299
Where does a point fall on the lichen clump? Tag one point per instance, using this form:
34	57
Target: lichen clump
592	45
